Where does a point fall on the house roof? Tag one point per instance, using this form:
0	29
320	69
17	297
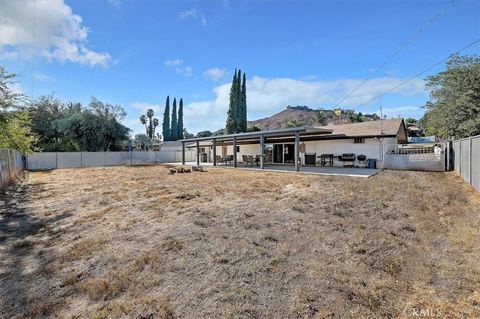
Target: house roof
390	127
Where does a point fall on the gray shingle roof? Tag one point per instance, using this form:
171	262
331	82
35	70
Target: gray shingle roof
370	128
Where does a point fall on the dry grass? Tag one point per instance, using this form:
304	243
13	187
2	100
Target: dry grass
137	242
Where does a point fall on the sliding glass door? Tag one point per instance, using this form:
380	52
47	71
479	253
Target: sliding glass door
278	153
283	153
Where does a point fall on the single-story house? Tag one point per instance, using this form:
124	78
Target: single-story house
168	146
306	144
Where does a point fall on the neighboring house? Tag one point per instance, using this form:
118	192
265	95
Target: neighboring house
365	138
169	146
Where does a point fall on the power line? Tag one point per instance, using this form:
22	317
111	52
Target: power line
420	73
406	44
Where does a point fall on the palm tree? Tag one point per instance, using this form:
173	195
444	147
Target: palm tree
150	123
155	124
143	120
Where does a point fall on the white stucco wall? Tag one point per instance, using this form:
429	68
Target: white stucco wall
372	148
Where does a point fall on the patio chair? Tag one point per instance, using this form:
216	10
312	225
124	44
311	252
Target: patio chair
250	159
229	159
326	159
218	159
245	159
257	160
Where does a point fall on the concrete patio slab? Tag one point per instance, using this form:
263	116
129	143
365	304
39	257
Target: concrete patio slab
316	170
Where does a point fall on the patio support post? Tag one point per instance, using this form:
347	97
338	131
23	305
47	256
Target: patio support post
297	142
198	153
214	145
234	152
183	153
262	151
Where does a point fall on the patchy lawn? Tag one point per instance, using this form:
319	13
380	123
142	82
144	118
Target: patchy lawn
137	242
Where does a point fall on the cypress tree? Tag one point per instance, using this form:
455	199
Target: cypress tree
166	121
180	120
174	127
238	108
232	107
244	103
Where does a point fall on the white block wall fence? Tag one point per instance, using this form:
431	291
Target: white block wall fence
52	160
11	164
467	160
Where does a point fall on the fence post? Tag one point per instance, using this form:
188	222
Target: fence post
459	158
1	177
447	144
9	177
470	160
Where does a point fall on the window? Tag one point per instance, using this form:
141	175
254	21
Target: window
359	140
238	149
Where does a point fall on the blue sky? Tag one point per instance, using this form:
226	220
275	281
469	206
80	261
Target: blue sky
135	53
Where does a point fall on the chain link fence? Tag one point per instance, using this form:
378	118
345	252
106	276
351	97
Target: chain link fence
11	164
52	160
467	159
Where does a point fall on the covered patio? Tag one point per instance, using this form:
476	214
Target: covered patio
293	135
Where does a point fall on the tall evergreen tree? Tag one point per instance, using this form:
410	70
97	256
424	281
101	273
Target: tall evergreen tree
237	109
180	120
174	127
232	107
244	103
238	93
166	121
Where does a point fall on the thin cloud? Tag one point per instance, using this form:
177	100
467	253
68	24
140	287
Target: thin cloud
193	14
39	77
116	3
179	66
215	74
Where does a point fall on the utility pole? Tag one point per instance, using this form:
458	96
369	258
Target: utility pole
381	116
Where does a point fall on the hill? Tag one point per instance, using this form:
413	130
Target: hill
303	115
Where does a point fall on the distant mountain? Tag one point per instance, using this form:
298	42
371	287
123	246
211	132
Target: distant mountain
303	115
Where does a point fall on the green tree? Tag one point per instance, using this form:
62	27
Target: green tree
204	134
166	121
16	132
293	123
243	100
141	141
238	99
353	116
237	108
150	123
219	132
180	120
186	134
454	106
15	122
71	127
320	117
231	125
253	128
174	127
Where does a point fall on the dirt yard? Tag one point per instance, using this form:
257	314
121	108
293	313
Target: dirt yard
135	242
